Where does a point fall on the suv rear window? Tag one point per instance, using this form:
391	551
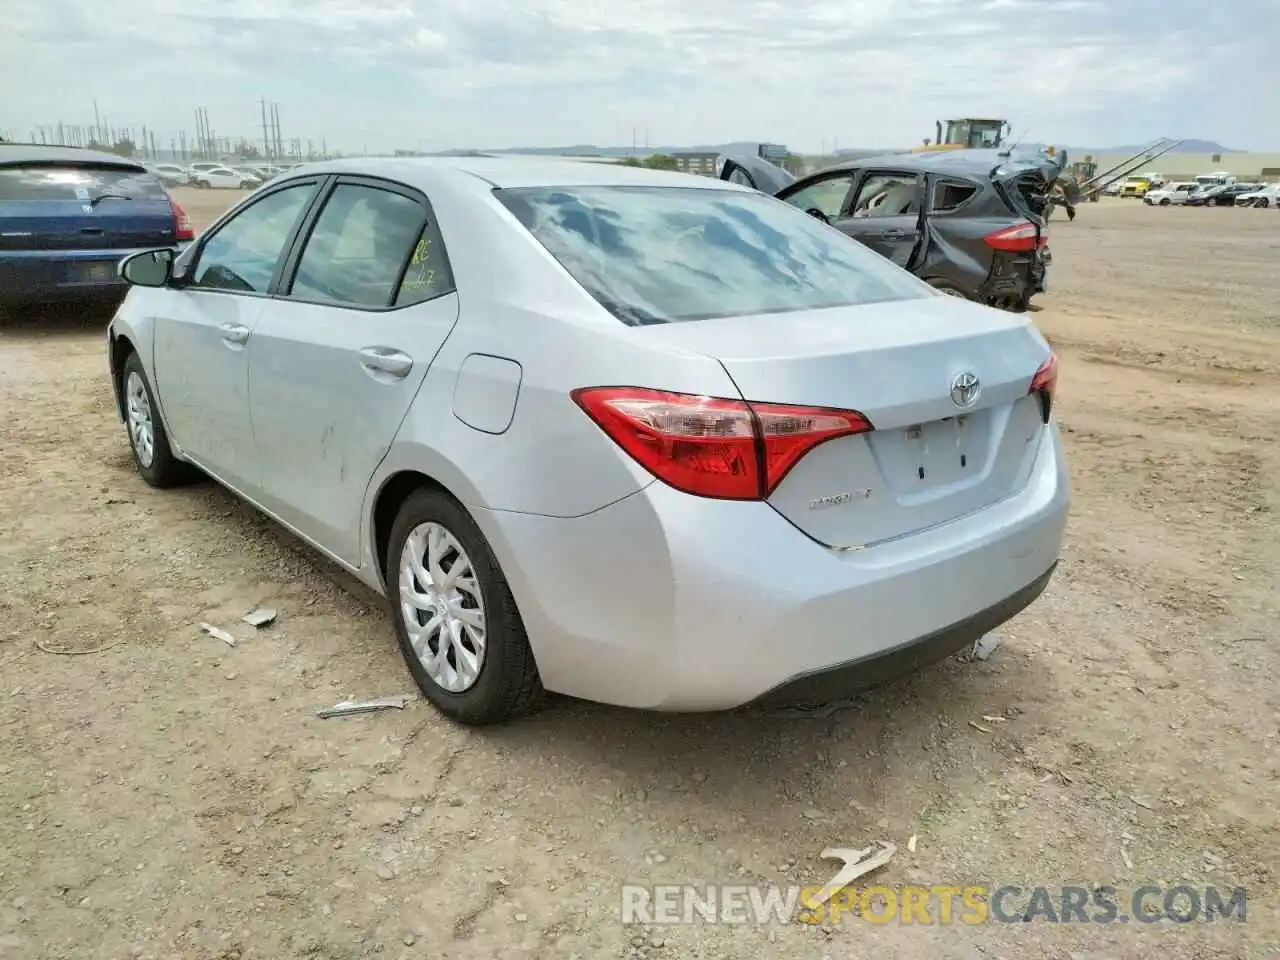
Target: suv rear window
668	254
76	182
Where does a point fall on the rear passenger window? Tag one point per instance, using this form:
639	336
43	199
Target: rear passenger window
359	247
428	275
51	181
947	195
887	195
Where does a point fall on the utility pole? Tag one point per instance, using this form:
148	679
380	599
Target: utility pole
266	147
275	122
97	122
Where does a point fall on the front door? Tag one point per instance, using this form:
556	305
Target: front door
337	362
203	332
884	214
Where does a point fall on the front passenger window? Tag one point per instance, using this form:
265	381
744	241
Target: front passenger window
826	196
243	254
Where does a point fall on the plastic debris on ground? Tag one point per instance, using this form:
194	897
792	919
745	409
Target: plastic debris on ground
260	617
218	634
350	708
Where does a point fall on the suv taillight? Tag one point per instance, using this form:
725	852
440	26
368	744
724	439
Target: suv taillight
1020	238
712	447
1044	383
181	222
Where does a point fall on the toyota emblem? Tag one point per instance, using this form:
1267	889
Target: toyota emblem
965	388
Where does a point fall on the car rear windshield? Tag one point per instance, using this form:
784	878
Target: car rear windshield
51	181
666	254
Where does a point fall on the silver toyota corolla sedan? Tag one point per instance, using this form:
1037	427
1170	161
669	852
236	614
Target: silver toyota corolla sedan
639	437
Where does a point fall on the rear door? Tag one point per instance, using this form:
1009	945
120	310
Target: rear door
82	214
368	301
884	213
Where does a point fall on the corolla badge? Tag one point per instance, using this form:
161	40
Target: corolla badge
965	388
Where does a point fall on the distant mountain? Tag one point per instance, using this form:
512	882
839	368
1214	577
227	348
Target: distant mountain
1187	146
592	150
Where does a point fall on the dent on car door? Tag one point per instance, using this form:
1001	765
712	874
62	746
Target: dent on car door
203	328
368	301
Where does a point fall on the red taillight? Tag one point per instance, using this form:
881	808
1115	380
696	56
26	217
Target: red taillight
1020	238
711	447
181	222
1044	383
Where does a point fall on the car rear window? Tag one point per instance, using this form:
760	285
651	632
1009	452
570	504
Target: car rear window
669	254
49	181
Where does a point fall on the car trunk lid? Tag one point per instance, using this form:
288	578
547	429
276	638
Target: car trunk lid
944	383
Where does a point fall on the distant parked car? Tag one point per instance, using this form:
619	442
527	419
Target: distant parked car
67	218
1268	196
170	174
1137	186
1173	194
200	166
226	178
630	435
971	223
1221	196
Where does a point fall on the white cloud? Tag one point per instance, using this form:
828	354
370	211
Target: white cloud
433	74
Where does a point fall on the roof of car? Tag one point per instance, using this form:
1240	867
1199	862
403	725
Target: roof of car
515	172
43	153
965	163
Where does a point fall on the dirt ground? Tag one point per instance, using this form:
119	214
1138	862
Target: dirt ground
167	796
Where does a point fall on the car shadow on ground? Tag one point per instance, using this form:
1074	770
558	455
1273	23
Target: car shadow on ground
816	766
56	320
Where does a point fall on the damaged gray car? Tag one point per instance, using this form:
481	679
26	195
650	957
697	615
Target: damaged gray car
971	223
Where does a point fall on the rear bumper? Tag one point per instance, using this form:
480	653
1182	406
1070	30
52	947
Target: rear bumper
708	605
53	276
1016	276
836	682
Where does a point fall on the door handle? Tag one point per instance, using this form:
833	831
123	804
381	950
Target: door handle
386	360
895	235
234	332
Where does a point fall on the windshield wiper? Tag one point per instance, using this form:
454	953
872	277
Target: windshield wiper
107	196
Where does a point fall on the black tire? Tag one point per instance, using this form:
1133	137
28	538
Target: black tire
164	469
1164	202
508	684
947	287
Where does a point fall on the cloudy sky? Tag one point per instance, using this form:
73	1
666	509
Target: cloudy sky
428	74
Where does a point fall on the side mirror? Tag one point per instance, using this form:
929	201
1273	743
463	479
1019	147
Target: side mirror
815	212
150	268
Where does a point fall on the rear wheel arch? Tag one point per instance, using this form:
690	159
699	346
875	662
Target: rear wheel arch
386	507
